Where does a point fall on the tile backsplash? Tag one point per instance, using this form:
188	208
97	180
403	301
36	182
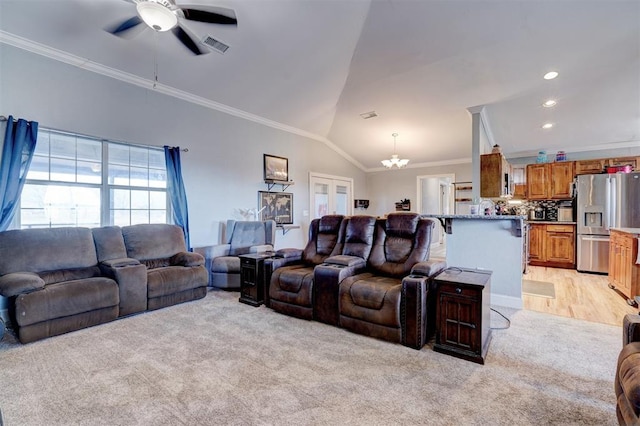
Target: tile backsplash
550	207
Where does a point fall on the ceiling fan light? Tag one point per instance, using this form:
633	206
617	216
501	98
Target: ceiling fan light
157	16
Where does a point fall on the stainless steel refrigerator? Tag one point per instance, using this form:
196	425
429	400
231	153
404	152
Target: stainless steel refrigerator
604	201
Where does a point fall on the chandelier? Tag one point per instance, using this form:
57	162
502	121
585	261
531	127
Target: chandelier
395	161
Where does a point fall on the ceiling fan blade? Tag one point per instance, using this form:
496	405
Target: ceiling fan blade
209	14
124	26
189	40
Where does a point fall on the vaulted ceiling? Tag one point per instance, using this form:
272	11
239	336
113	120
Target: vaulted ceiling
314	66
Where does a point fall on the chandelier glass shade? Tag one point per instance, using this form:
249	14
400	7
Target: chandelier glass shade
395	160
157	16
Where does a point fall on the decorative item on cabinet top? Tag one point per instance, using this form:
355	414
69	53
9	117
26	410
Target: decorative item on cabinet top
361	204
404	205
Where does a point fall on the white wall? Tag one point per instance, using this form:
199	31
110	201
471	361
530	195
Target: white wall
390	186
223	168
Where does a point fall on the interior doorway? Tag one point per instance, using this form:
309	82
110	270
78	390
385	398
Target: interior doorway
436	196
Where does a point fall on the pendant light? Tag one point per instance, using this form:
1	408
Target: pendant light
395	160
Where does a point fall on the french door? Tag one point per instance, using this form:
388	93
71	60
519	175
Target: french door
330	195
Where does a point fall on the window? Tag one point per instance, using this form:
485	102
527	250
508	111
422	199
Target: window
81	181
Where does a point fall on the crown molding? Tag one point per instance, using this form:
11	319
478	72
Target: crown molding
608	146
86	64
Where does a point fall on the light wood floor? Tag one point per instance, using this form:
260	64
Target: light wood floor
578	295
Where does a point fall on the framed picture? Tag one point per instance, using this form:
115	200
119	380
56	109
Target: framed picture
276	168
277	206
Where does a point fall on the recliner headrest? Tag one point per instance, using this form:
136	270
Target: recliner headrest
330	224
402	224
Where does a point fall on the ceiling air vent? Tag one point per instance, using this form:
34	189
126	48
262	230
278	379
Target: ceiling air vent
367	115
217	45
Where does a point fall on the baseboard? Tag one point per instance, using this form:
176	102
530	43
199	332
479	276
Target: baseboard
506	301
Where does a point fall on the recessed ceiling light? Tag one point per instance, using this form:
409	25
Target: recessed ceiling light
547	125
550	103
550	75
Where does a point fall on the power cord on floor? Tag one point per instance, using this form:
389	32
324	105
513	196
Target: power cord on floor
501	328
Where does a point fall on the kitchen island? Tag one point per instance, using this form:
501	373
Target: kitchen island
494	243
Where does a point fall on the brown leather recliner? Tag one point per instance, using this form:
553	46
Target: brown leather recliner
392	300
627	381
290	277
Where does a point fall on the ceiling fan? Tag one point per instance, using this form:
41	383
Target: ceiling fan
165	15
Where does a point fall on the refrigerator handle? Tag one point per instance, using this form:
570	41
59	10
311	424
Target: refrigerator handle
611	202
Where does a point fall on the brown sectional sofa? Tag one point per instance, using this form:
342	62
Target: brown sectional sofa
627	381
63	279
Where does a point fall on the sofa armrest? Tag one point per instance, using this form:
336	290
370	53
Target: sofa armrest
209	252
346	260
260	248
290	254
429	268
414	311
20	282
120	263
187	259
131	277
326	286
631	329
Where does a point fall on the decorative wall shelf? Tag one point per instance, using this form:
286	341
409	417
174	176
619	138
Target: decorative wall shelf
284	183
287	228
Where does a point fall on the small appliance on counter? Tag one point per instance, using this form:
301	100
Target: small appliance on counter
565	211
537	213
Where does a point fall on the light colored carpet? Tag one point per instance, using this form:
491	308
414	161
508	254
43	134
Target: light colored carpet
216	361
539	288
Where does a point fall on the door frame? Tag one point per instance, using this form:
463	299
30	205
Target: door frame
348	180
420	179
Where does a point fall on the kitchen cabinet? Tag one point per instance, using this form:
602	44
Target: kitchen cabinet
588	167
536	242
622	161
495	176
624	273
550	181
552	245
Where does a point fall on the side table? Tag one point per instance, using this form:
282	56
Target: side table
252	285
463	313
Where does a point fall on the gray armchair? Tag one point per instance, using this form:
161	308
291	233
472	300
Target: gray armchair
241	237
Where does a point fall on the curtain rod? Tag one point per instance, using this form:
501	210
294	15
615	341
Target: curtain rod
3	118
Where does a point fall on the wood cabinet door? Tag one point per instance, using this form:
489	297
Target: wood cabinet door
537	181
560	247
459	324
623	161
587	167
536	243
491	179
561	178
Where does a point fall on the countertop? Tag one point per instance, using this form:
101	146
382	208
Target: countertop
477	216
551	222
628	230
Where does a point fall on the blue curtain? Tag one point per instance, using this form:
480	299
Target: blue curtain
177	194
17	152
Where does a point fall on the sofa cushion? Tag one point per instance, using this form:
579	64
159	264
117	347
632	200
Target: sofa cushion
65	299
628	374
292	285
173	279
246	234
153	241
370	298
44	249
109	243
52	277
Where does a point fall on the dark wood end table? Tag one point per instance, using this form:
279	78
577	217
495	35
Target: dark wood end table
252	285
463	313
